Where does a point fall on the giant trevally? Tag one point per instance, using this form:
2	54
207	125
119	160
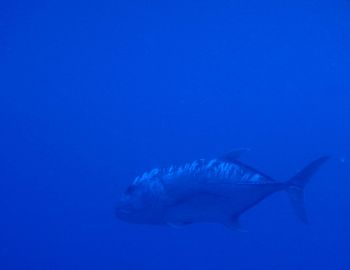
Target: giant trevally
215	190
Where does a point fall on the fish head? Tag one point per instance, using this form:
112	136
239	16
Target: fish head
140	202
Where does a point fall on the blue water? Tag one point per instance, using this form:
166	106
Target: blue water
93	93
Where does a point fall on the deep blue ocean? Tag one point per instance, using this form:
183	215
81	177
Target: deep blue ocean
94	93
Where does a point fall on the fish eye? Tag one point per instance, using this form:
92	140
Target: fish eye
130	190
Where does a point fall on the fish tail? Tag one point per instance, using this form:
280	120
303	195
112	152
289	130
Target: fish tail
296	185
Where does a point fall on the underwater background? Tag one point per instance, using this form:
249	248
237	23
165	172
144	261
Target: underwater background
93	93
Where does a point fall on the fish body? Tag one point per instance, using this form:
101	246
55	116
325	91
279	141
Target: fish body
215	190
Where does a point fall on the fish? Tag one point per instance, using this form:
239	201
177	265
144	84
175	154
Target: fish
215	190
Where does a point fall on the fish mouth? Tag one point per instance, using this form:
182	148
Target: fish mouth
119	211
123	213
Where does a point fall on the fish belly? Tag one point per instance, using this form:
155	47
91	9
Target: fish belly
216	207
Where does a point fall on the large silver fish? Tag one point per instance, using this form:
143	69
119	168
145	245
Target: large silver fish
217	190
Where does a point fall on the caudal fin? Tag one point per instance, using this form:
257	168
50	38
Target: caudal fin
297	184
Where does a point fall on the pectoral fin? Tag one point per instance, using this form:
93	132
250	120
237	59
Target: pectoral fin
178	224
234	225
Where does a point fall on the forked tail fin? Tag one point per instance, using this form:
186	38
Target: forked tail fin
297	184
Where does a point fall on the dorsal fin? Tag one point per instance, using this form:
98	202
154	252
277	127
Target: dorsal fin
235	154
233	157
